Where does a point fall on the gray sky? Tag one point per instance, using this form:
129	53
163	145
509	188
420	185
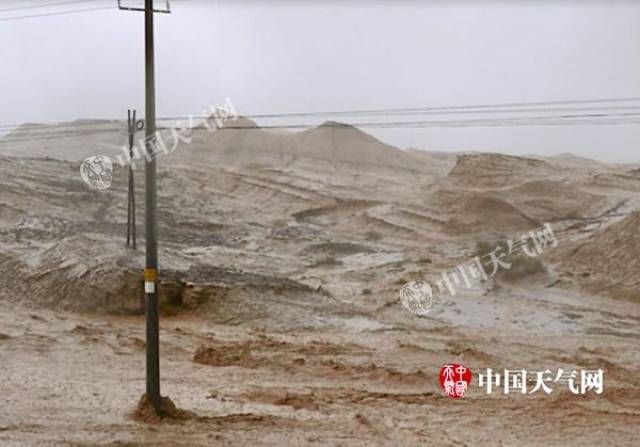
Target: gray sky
285	56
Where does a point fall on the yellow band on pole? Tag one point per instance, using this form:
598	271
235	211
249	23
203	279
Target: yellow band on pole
150	274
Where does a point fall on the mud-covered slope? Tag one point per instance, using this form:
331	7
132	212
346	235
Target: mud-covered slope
609	261
485	170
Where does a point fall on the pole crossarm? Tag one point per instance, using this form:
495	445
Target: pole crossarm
167	9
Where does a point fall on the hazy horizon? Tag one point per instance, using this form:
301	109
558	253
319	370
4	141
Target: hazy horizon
284	56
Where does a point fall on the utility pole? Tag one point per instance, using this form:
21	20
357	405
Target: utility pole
151	211
151	217
133	126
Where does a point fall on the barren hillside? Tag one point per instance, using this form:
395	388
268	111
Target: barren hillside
281	259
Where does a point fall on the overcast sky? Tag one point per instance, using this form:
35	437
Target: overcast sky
287	56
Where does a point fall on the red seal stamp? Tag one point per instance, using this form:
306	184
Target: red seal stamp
454	380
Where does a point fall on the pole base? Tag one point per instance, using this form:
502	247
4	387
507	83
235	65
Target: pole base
145	412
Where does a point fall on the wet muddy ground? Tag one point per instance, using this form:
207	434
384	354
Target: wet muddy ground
289	330
69	379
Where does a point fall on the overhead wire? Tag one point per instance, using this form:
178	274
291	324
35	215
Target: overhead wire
540	120
420	110
46	5
56	13
503	108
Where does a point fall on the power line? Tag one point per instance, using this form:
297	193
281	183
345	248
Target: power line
425	110
57	13
57	131
446	110
558	120
408	125
595	119
46	5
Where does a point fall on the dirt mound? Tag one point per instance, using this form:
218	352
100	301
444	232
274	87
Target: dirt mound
499	170
241	122
609	261
343	143
168	412
336	144
629	181
574	162
549	200
63	276
470	212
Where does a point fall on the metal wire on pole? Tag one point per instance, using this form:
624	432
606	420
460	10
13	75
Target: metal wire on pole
133	126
